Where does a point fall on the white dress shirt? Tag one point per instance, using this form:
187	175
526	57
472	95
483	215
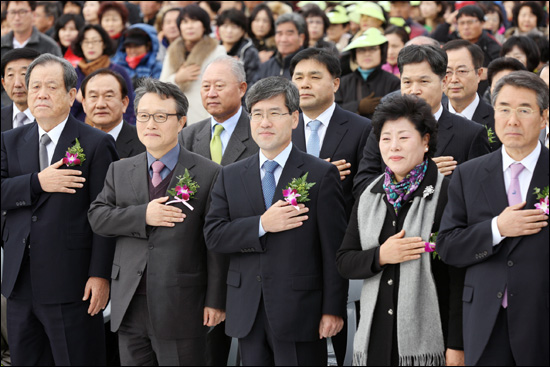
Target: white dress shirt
54	135
324	119
116	130
439	112
469	111
529	162
16	43
27	112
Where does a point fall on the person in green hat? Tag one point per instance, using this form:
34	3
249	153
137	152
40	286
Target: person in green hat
372	16
361	91
338	30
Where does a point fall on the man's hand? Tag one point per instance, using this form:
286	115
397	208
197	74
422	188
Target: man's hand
514	222
454	357
265	55
53	179
213	316
160	215
282	216
445	165
330	325
188	73
398	249
99	288
342	166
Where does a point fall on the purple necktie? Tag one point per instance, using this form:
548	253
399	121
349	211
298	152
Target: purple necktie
157	166
514	197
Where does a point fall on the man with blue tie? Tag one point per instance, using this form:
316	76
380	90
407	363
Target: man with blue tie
284	295
495	226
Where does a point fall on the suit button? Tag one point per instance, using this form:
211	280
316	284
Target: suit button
510	263
24	241
34	218
4	212
258	278
499	295
151	247
140	273
390	282
390	312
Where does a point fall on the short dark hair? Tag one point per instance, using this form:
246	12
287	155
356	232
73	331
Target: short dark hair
195	12
320	55
213	5
69	73
415	54
542	44
32	4
51	9
313	10
164	91
274	86
536	9
527	45
476	53
253	16
63	20
412	108
526	80
234	16
399	31
113	5
18	54
490	7
105	71
471	11
80	4
107	42
503	63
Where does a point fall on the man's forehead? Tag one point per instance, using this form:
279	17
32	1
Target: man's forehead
103	81
19	63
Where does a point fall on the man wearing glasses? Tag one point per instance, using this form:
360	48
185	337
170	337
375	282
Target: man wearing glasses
167	289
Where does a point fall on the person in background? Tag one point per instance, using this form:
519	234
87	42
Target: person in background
168	30
494	20
402	9
279	8
90	12
262	31
317	25
95	47
397	38
66	31
338	30
45	15
499	68
213	9
432	13
149	11
361	91
113	17
523	49
188	56
528	18
232	26
73	7
544	73
372	16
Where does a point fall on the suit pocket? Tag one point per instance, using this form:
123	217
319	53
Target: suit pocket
467	294
233	278
114	272
307	283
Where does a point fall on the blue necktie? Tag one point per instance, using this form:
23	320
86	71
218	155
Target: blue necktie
313	145
268	182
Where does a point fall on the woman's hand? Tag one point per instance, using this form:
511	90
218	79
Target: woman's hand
265	55
398	249
188	73
454	357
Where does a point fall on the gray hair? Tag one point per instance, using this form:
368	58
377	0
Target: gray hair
527	80
235	66
423	40
164	91
294	18
274	86
69	73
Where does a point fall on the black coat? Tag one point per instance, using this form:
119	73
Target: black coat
248	54
7	117
354	263
127	142
276	66
485	115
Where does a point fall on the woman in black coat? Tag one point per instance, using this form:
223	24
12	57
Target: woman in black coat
385	246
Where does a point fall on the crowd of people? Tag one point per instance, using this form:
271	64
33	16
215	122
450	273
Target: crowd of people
179	175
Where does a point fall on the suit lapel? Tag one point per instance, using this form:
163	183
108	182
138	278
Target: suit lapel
445	133
290	171
201	145
253	184
334	135
235	146
28	151
299	135
139	179
493	184
122	142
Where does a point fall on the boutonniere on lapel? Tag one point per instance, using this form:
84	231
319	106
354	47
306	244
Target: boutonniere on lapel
490	135
542	197
428	191
184	191
297	191
430	245
74	156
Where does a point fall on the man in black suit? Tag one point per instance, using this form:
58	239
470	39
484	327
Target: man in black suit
284	294
56	270
492	227
14	68
464	69
329	132
423	72
104	104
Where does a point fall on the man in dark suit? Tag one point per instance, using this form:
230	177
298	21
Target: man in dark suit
224	138
423	72
464	69
284	295
56	270
167	288
492	227
14	68
104	104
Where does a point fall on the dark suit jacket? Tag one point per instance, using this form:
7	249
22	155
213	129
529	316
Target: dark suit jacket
485	115
457	137
294	271
7	117
476	195
196	138
345	138
64	251
127	142
182	276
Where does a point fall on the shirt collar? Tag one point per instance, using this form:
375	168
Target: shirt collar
529	162
280	159
116	130
170	159
54	133
229	124
324	117
27	113
468	111
437	115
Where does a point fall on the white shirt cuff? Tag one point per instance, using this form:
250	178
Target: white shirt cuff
261	230
497	238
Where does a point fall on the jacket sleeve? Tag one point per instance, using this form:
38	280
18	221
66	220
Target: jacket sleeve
15	190
441	32
480	144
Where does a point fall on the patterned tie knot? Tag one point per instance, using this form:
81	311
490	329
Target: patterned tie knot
20	119
270	166
45	139
314	125
218	128
157	166
515	169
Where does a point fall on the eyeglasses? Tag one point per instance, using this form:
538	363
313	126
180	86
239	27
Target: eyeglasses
158	117
459	73
271	116
521	112
91	42
467	22
20	12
